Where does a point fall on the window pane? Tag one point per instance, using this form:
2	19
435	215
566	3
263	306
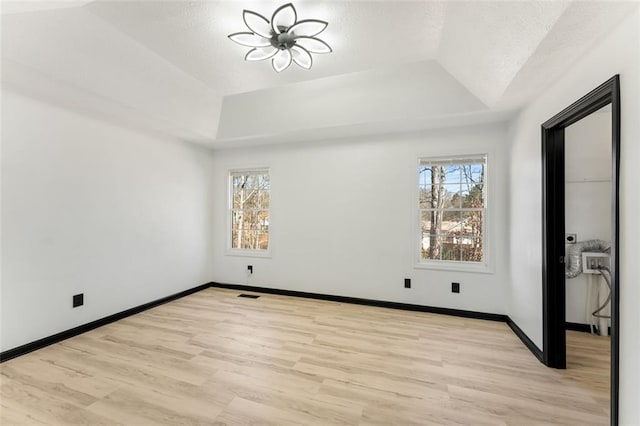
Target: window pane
235	183
263	199
424	245
431	246
235	199
426	193
452	203
439	198
452	173
453	197
236	219
249	210
252	201
450	247
234	238
438	175
263	240
248	218
250	183
424	175
477	173
237	191
472	222
247	239
426	221
450	221
472	250
473	197
261	220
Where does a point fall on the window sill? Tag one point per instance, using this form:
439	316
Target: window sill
470	267
264	254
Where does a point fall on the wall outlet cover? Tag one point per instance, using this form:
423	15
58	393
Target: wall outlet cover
407	283
78	300
455	287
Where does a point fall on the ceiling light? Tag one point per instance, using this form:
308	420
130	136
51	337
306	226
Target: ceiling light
283	40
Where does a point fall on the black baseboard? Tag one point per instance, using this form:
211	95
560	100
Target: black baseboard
525	339
574	326
41	343
368	302
63	335
577	327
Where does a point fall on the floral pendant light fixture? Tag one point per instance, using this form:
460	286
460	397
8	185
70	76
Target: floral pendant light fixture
283	40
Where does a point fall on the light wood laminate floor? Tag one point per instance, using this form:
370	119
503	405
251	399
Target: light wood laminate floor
214	358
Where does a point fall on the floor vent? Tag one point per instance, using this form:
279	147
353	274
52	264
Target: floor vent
249	296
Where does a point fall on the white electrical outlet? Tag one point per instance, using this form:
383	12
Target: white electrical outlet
592	262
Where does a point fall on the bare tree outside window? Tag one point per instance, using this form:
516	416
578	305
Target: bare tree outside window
250	192
452	207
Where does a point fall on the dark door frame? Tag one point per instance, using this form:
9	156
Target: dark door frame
553	246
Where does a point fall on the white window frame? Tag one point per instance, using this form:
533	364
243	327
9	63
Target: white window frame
486	265
230	251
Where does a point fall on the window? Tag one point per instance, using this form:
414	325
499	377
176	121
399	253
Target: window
249	210
452	208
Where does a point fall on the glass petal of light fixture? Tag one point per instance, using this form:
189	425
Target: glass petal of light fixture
261	53
308	28
250	40
257	23
283	18
301	57
284	39
313	45
282	60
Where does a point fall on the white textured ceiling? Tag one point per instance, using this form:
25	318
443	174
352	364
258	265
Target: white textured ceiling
193	36
9	7
167	66
484	46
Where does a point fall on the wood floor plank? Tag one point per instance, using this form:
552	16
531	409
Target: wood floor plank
212	358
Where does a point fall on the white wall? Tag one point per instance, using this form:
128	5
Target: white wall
342	218
619	53
587	197
88	207
418	90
